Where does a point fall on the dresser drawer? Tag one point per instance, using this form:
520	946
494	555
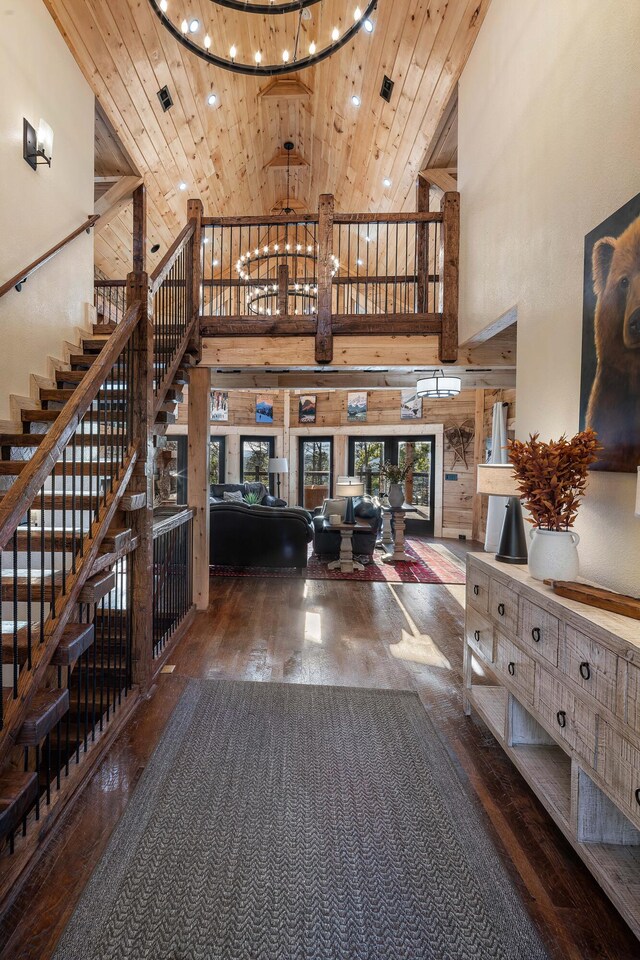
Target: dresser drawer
539	630
621	770
479	633
592	666
566	714
478	590
517	667
629	674
503	607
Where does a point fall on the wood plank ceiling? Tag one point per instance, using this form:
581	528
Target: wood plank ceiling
225	153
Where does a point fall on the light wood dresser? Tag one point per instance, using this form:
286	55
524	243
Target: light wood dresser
558	684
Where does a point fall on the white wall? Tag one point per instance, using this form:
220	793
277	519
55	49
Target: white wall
39	78
549	146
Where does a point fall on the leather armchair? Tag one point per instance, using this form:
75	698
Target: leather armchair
326	543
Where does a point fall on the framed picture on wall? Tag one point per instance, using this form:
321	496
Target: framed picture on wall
264	409
410	405
219	406
609	396
307	409
356	406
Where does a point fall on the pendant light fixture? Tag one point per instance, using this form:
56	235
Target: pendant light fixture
200	38
438	386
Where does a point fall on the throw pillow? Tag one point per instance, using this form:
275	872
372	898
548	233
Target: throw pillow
233	496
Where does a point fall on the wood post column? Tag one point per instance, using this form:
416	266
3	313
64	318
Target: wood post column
324	336
140	564
198	480
478	457
139	232
195	211
449	276
422	247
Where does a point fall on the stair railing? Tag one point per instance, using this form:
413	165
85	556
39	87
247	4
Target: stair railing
54	515
22	277
172	577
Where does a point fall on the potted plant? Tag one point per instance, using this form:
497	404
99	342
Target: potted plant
396	476
552	478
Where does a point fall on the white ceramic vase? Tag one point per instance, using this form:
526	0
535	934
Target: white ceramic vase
553	554
396	495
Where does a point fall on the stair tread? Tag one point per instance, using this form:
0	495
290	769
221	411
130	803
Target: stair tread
46	708
76	638
18	791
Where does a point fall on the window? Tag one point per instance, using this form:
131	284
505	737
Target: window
216	460
316	471
365	461
254	460
216	465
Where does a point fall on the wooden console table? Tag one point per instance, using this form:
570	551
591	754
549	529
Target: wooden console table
563	700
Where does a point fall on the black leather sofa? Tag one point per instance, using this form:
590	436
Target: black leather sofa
326	543
244	535
217	491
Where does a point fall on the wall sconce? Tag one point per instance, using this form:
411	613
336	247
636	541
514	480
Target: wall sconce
37	148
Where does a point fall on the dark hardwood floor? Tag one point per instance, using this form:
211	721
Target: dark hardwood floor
328	632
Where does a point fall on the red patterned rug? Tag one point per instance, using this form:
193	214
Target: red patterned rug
431	562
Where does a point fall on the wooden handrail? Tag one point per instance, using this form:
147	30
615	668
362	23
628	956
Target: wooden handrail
109	283
171	256
433	216
20	496
267	220
19	278
170	522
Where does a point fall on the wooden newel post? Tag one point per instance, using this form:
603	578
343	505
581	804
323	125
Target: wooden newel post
140	569
139	232
195	212
324	336
198	479
449	276
422	247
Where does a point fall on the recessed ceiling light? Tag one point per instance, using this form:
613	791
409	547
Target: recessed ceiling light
183	186
355	100
368	25
194	25
386	182
211	99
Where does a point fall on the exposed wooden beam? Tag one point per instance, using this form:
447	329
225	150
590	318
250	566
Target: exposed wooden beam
290	88
280	158
115	199
330	378
449	274
351	324
442	177
507	320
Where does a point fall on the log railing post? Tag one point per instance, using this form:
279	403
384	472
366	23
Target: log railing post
195	211
198	479
449	276
139	236
324	336
283	289
422	247
140	569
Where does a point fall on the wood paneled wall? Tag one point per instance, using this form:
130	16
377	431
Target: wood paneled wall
383	417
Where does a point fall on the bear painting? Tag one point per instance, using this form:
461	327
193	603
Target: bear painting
610	388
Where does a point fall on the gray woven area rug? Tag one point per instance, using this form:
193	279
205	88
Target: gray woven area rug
290	822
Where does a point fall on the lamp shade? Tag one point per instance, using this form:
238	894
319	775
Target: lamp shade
45	139
349	487
638	495
278	465
438	387
497	479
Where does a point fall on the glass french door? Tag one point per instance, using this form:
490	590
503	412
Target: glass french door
216	464
255	453
315	471
368	454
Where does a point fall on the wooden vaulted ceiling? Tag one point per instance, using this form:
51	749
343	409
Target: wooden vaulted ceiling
227	154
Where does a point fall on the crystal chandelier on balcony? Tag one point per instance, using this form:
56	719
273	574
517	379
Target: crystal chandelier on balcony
301	47
295	245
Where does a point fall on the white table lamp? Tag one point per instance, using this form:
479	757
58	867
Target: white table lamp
499	480
349	487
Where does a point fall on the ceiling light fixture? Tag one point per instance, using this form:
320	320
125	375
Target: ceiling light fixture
438	387
183	186
292	12
386	182
355	100
211	99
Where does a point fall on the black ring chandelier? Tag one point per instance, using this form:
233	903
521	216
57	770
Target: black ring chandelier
186	28
302	297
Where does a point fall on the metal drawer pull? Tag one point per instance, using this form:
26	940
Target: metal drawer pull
561	717
476	636
638	795
511	668
585	671
476	589
535	633
501	609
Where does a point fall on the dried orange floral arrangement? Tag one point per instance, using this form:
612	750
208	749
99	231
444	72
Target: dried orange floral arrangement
552	476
